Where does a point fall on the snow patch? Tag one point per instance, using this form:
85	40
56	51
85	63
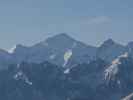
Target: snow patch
28	82
21	76
16	76
67	56
12	49
52	56
113	69
125	55
67	71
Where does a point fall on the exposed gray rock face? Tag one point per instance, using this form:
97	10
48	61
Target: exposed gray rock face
5	59
129	97
97	80
109	50
64	51
60	49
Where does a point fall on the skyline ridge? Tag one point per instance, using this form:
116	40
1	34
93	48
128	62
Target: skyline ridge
65	35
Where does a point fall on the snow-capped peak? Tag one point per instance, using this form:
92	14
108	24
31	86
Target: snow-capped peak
12	49
15	47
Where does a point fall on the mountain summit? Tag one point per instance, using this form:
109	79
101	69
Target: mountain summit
109	50
60	49
59	41
60	37
64	50
62	68
108	42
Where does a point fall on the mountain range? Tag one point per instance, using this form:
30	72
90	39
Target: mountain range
62	68
63	50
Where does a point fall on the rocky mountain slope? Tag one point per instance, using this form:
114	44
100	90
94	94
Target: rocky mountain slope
62	68
64	51
97	80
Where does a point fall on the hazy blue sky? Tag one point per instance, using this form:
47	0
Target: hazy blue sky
91	21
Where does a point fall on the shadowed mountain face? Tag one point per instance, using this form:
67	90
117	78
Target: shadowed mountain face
109	50
129	97
60	49
97	80
30	81
62	68
5	59
64	51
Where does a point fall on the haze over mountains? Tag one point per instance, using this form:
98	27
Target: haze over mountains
63	50
62	68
